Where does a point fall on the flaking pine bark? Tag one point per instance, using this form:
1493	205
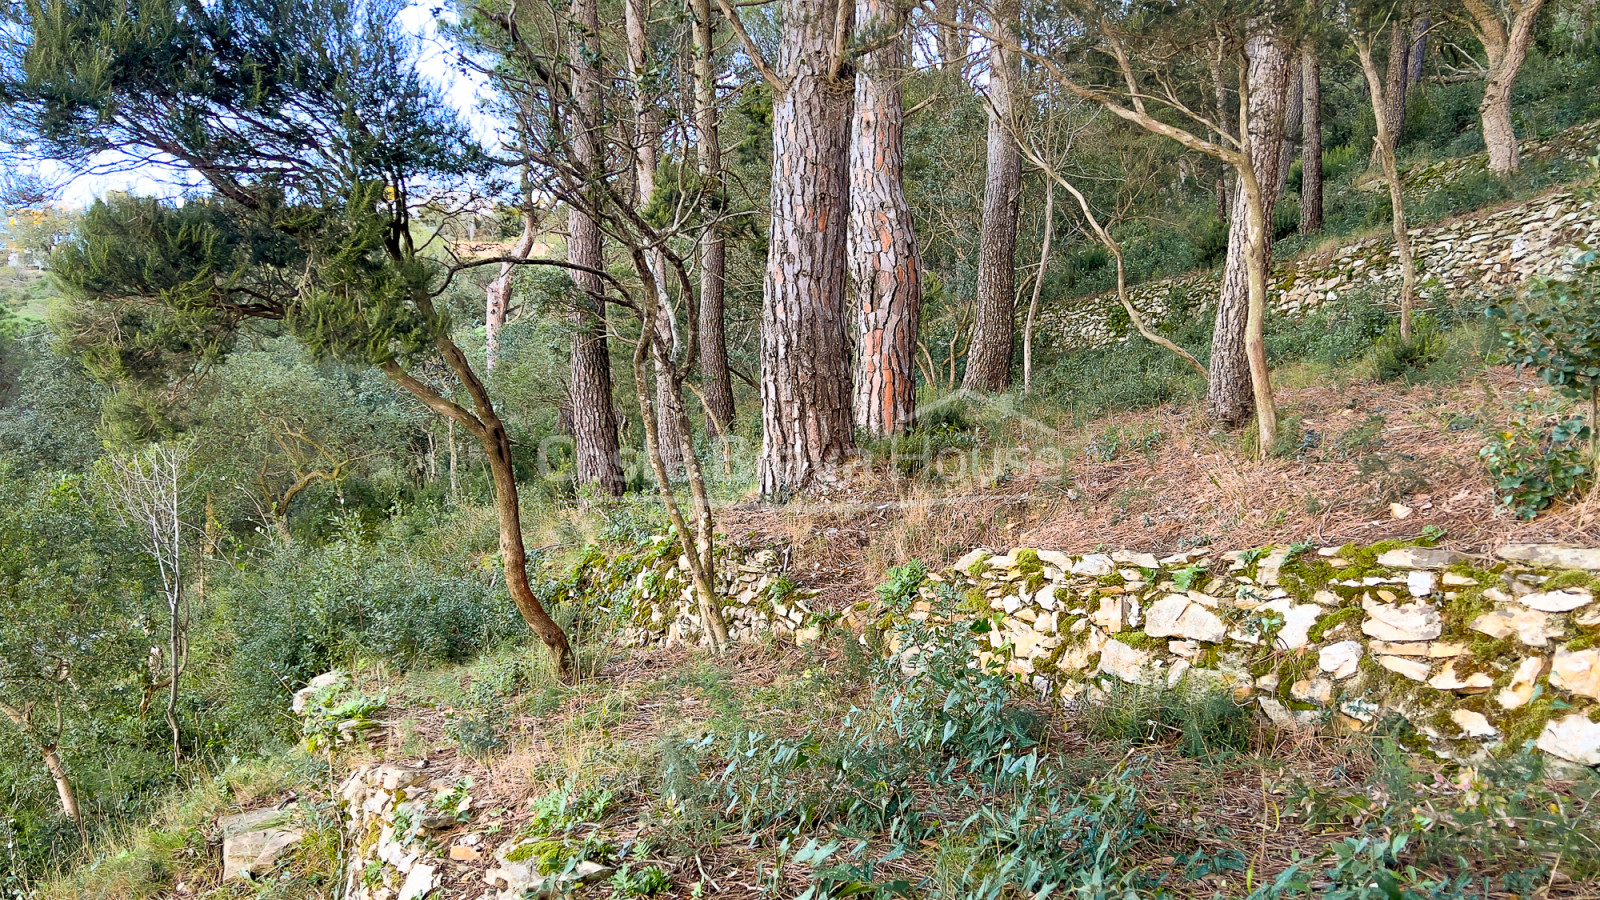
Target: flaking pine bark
805	364
884	267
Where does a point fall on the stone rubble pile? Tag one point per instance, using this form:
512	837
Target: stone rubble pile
1477	655
411	834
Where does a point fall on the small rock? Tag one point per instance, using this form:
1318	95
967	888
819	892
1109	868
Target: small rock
1142	560
1556	601
1576	671
418	883
1520	691
1177	616
464	853
1056	558
1531	627
1121	661
1094	565
297	704
1340	659
1447	680
1409	622
1420	583
1108	616
1473	724
966	562
1400	511
1419	558
1552	555
252	841
1573	738
1410	668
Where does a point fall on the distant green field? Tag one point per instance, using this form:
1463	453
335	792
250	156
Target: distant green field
26	292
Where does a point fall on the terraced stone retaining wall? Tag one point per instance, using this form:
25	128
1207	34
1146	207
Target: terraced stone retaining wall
1471	259
1479	655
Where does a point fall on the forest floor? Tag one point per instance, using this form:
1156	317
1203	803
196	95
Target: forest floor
1373	462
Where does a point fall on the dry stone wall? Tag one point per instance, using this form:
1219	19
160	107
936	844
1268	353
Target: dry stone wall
1476	259
658	592
1478	655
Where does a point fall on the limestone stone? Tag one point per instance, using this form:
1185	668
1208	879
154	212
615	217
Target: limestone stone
1179	617
1094	565
1141	560
1556	601
297	703
1553	555
1453	579
1419	557
418	884
965	563
1123	662
1297	622
1340	659
1573	738
1473	724
1576	671
252	841
1108	616
1531	627
1420	583
1415	670
1056	558
1589	618
1448	680
1407	622
1283	717
1520	691
1312	690
465	853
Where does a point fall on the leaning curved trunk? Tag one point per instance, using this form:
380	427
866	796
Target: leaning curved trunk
883	248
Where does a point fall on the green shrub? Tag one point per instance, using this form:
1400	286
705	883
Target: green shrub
1534	466
1395	358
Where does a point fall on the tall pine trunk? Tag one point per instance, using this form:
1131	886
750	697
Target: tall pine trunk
716	382
995	320
805	364
1311	141
647	141
594	421
882	246
1507	50
1399	66
1231	396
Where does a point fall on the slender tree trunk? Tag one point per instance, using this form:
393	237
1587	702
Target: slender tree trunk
697	544
1311	138
499	294
1391	173
1418	54
1038	282
715	378
1238	362
1293	125
1224	110
594	421
450	442
951	39
1395	77
884	267
647	140
50	753
805	363
995	323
